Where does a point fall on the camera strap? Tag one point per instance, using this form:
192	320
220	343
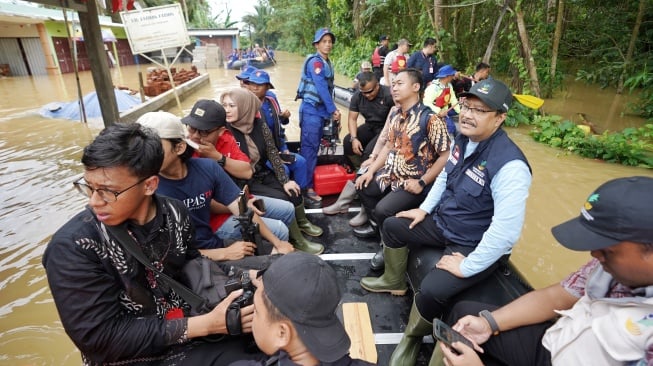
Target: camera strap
129	243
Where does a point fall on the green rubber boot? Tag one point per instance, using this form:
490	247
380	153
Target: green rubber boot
408	348
393	279
437	358
304	225
300	242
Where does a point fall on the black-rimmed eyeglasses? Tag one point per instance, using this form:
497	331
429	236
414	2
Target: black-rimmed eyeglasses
475	111
107	195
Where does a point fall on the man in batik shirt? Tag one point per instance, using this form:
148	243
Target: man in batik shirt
415	153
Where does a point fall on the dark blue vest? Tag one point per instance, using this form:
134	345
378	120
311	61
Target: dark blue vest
466	207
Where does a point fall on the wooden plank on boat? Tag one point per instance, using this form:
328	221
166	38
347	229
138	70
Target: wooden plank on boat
359	328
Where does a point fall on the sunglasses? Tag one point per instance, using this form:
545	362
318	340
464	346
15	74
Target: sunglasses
369	91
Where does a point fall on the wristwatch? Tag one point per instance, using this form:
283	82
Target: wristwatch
422	183
352	138
222	161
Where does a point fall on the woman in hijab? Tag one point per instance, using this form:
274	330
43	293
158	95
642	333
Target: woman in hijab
256	140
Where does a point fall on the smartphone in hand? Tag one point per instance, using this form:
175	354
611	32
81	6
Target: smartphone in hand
444	333
259	204
287	158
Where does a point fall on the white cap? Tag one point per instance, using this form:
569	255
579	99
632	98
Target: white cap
166	125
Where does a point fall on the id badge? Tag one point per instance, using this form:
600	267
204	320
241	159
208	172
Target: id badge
431	69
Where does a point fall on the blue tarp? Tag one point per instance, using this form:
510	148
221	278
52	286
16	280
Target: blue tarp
72	110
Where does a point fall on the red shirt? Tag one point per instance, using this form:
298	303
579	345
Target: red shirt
227	146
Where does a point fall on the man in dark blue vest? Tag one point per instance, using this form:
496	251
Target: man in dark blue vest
474	212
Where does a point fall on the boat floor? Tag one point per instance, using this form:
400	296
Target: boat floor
350	257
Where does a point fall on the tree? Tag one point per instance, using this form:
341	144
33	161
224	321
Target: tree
556	44
526	47
631	45
497	26
259	21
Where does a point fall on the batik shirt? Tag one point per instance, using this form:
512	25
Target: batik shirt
412	151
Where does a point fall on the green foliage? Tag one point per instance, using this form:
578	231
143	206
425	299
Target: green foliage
594	42
601	44
519	115
632	146
347	60
199	12
259	22
642	81
605	73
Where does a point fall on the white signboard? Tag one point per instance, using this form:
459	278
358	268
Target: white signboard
154	29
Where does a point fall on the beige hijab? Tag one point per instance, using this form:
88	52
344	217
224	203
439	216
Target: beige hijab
248	105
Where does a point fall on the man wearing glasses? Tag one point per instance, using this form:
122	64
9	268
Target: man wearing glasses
114	309
474	213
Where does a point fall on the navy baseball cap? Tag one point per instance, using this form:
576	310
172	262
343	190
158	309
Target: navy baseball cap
383	38
260	77
493	93
321	33
304	288
245	72
619	210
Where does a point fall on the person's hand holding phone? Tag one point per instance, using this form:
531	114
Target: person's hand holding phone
287	158
460	354
257	205
457	349
474	328
292	188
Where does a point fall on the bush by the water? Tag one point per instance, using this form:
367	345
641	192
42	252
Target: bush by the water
631	146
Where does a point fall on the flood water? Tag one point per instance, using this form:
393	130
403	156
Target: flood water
39	158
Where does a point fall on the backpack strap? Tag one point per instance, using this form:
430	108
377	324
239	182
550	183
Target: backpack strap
129	244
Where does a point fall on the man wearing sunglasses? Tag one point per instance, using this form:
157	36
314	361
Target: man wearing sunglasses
206	125
373	101
115	310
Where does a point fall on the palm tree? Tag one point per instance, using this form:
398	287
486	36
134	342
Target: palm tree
259	21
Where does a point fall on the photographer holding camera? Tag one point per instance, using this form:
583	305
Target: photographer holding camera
295	320
113	308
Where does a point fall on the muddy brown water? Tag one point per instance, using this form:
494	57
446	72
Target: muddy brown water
39	158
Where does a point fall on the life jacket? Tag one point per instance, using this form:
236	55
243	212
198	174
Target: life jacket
398	64
443	99
307	89
376	58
